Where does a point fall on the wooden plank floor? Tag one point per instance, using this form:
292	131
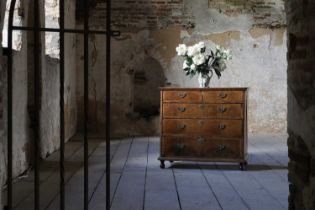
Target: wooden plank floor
138	183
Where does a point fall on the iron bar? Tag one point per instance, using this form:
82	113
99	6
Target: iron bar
9	104
37	100
86	103
66	30
62	88
107	117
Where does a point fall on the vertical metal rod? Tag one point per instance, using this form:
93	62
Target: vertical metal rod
37	99
86	103
108	74
10	103
62	122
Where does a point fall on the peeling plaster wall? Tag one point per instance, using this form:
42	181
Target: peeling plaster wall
253	30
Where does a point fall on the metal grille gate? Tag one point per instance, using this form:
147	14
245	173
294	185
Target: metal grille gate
36	29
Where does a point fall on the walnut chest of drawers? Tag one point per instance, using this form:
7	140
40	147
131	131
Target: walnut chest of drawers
204	124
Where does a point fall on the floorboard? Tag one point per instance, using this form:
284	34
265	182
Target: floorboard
160	190
251	191
130	192
193	189
222	188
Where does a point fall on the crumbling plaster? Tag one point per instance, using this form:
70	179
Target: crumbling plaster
258	46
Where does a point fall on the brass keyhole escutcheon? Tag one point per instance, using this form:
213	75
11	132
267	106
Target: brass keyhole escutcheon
182	95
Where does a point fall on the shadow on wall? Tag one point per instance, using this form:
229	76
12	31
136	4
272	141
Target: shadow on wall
146	88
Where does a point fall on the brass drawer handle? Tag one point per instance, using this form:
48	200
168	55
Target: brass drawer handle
182	95
180	146
221	126
180	126
222	95
222	109
181	109
200	139
221	148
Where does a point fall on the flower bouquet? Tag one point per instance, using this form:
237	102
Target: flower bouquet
197	61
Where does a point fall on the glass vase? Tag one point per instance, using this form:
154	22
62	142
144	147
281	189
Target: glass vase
204	80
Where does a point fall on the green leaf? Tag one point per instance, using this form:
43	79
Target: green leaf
217	71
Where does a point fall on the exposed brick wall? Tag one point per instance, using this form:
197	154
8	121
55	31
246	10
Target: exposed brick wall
134	15
265	13
301	103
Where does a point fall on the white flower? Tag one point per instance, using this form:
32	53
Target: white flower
193	67
192	51
199	59
200	46
181	50
227	54
185	65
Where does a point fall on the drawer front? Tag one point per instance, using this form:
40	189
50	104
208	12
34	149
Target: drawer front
223	96
201	147
174	110
225	149
180	147
182	96
213	128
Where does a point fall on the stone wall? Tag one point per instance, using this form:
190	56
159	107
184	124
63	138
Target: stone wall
254	31
301	103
